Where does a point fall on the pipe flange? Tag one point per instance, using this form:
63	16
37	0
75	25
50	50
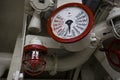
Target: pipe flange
41	6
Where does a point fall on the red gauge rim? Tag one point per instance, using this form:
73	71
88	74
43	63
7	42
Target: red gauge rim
85	8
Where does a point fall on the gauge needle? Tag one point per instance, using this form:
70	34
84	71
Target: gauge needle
69	22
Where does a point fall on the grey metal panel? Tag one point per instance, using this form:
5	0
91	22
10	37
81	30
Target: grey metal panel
11	19
18	52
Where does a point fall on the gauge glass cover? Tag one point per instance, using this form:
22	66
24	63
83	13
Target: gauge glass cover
70	22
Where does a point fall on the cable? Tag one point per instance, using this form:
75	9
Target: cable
115	31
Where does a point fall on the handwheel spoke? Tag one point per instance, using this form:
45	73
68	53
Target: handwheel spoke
117	52
112	52
32	72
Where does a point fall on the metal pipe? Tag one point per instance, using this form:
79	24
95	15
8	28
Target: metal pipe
74	60
77	59
68	62
76	74
71	61
102	31
35	24
62	2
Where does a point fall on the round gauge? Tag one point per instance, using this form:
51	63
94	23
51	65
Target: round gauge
70	22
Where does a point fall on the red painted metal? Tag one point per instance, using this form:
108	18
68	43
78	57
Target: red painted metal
34	64
114	51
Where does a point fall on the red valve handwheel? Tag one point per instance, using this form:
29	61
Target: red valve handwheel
30	66
32	72
114	51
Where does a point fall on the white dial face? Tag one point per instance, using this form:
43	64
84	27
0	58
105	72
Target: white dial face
70	22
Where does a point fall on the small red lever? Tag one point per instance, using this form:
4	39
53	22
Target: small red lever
115	52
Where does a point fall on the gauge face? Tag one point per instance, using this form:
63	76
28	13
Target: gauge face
69	23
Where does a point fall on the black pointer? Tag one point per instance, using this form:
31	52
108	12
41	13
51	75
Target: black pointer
69	22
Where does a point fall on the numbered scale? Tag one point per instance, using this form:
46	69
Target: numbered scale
70	22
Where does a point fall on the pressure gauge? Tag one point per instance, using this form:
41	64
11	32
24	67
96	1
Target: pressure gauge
70	23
